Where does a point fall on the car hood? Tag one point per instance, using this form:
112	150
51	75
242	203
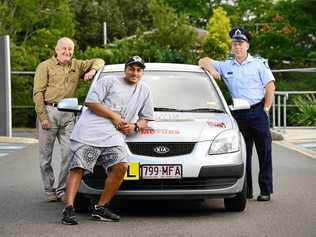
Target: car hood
184	127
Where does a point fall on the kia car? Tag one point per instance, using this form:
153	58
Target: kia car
192	150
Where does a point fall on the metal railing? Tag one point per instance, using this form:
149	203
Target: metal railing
279	108
23	73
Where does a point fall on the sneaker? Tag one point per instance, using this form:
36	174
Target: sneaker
69	216
104	213
60	197
51	197
263	198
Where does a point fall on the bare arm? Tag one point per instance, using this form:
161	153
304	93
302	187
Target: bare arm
105	112
89	75
207	64
90	67
142	123
129	128
269	96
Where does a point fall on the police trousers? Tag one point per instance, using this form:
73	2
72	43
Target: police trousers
62	125
254	126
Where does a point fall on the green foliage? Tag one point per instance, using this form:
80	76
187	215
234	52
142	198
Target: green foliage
122	18
198	10
306	111
295	81
217	43
22	87
24	18
159	31
247	12
22	58
94	52
171	40
171	32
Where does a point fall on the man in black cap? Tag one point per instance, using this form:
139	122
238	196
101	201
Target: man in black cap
250	79
116	106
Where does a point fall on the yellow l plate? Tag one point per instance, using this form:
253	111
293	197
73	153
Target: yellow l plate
132	172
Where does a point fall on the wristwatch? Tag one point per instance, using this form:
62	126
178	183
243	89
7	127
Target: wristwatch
136	129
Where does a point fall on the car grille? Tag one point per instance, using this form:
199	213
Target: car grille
161	149
96	181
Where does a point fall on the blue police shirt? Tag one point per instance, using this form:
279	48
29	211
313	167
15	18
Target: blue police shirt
247	80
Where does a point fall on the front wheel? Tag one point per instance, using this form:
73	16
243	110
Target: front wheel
237	203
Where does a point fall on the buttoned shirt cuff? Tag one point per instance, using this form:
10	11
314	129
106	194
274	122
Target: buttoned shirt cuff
42	116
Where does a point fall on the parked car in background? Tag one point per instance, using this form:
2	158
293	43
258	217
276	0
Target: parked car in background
193	149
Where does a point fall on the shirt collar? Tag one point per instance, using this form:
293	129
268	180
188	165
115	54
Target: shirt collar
57	62
249	59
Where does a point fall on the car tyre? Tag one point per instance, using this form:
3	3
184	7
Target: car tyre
82	204
237	203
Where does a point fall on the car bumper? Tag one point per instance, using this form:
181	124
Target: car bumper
204	176
213	182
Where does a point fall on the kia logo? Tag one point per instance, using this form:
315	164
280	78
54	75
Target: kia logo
161	149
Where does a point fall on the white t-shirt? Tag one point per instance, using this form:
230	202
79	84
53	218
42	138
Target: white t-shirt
131	101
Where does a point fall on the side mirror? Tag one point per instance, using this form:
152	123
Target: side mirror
239	104
69	105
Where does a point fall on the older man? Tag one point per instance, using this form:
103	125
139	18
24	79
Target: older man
55	79
249	78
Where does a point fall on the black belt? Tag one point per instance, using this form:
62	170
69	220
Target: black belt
51	104
256	105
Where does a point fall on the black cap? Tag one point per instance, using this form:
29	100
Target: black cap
135	59
240	34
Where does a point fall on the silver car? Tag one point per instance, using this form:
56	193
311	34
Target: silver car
193	149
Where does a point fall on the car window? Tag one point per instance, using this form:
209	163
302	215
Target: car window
182	90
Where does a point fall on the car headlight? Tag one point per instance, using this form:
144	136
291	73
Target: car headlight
226	142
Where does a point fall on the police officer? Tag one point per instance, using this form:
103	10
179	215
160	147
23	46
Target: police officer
249	78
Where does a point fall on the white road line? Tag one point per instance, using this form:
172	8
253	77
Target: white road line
295	147
3	154
10	147
307	145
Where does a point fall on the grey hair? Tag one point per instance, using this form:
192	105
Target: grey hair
62	40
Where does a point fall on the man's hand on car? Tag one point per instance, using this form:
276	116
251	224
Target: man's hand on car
127	128
118	121
46	124
89	75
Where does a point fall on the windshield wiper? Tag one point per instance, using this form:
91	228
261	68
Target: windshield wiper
166	109
198	110
206	110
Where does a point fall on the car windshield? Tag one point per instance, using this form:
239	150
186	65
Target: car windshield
182	91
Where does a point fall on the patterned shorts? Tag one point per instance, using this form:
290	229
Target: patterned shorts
86	156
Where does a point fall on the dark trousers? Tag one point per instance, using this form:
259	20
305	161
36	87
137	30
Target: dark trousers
254	126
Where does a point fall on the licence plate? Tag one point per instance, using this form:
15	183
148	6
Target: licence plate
161	171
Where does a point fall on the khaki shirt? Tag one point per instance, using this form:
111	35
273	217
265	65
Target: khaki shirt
54	81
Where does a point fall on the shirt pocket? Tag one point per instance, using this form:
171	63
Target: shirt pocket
53	78
229	75
74	76
251	79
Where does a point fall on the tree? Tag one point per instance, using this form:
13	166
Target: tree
217	43
22	19
36	25
171	38
122	17
288	34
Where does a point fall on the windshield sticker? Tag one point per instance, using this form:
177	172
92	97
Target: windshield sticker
160	132
167	116
211	103
214	123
